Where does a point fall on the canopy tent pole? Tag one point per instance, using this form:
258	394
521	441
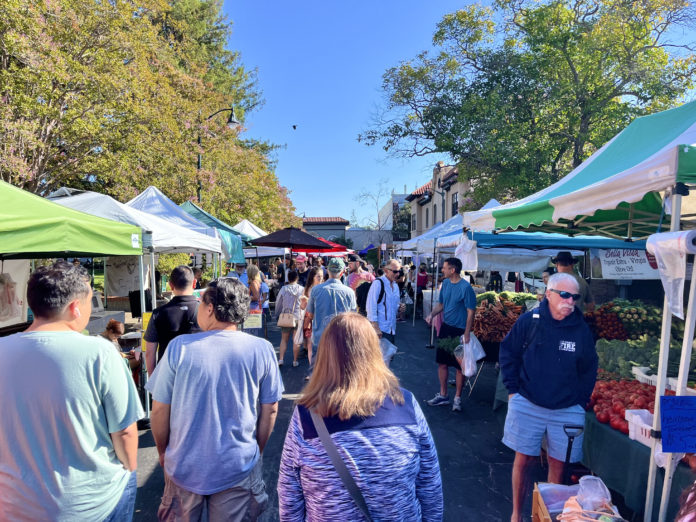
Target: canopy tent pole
153	280
665	336
432	294
687	344
415	300
141	267
106	301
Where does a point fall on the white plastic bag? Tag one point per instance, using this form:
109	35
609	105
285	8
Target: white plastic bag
465	355
476	347
593	494
388	350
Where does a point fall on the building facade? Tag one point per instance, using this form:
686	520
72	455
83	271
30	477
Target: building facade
437	200
330	228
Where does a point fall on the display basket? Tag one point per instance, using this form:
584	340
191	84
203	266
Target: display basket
639	425
641	375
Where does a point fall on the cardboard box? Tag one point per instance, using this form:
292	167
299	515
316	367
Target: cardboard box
539	511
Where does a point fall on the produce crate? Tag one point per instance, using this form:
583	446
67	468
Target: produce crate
539	511
639	425
641	375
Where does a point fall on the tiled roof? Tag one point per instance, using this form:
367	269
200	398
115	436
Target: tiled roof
325	221
420	191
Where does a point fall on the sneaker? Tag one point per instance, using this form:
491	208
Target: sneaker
295	364
457	404
439	400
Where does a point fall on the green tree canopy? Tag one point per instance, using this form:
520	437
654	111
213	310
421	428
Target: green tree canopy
521	93
112	96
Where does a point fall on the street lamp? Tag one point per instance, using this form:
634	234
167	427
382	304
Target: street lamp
232	122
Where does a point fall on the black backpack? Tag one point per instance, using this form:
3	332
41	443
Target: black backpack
361	295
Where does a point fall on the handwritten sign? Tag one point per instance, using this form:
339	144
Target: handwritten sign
254	320
678	416
619	263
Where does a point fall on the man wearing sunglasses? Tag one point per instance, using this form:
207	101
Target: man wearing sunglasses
549	367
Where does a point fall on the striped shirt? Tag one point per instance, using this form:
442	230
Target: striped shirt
391	457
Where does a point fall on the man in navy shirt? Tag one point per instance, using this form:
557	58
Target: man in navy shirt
457	304
549	366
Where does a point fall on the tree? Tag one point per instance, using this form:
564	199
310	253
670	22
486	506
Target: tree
520	94
112	96
374	200
402	222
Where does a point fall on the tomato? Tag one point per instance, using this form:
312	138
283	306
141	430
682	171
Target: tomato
603	417
640	403
623	426
617	406
692	462
615	422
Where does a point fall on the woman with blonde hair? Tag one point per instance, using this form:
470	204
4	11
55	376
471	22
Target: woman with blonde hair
378	427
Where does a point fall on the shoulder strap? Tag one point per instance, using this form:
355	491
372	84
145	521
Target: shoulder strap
338	463
531	332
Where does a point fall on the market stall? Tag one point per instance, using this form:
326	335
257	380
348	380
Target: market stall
232	240
618	192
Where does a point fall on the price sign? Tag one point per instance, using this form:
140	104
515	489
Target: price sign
620	263
678	416
254	320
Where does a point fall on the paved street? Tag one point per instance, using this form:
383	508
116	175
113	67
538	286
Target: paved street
475	465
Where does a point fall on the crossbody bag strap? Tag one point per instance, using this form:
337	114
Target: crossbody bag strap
340	466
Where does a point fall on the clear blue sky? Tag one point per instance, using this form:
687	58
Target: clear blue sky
320	67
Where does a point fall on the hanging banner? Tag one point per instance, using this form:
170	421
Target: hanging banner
619	263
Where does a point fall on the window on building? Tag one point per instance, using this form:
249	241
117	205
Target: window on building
455	203
413	222
427	223
434	214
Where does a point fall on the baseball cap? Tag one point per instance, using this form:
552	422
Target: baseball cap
564	257
336	265
353	257
301	258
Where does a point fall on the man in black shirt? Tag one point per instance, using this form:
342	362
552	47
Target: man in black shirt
302	270
176	317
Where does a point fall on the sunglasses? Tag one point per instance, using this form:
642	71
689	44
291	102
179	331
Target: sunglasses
566	295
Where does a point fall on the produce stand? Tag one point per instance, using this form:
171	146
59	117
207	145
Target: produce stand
621	463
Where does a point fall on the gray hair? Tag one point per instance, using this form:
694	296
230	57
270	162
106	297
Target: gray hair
561	277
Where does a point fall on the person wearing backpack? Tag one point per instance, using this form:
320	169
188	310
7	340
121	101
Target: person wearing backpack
384	300
549	366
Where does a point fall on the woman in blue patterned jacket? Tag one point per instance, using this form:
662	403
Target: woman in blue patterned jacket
379	430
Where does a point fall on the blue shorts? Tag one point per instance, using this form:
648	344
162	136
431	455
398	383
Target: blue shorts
526	424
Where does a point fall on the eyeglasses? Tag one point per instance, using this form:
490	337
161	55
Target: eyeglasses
566	295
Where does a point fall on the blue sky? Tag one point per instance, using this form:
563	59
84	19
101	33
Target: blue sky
320	67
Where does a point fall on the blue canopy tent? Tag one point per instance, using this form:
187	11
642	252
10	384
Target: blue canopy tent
364	250
539	240
231	238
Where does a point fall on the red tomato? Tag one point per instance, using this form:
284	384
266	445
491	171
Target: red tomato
603	417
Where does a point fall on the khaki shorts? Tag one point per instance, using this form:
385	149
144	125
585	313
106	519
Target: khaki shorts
245	501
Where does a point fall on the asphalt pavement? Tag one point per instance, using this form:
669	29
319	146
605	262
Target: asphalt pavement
475	465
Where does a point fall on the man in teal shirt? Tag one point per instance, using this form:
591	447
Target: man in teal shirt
457	303
68	435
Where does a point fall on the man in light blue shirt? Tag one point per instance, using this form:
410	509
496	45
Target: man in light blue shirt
327	300
240	274
383	301
68	434
215	400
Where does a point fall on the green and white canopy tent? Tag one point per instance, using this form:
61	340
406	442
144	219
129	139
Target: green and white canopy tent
616	191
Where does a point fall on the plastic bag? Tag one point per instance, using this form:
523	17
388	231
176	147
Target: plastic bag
476	347
406	300
465	355
593	494
388	350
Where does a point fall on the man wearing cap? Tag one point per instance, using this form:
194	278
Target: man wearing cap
240	274
564	265
327	300
302	270
356	274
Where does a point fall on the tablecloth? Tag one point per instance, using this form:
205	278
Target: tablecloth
622	464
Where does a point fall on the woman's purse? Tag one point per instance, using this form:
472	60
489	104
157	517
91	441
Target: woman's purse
288	319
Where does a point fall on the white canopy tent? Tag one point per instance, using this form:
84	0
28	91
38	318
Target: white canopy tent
166	236
263	251
247	227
